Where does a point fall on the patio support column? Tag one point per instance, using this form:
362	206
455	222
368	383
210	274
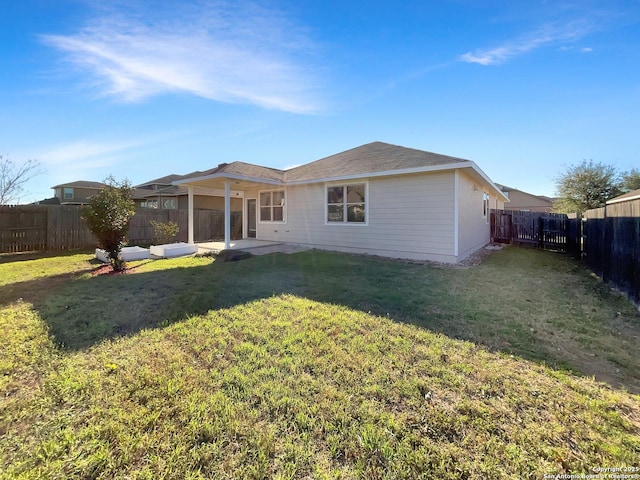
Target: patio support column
227	215
190	189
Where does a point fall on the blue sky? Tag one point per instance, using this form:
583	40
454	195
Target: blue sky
142	89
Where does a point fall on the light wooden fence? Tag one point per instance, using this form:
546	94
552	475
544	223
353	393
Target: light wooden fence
25	228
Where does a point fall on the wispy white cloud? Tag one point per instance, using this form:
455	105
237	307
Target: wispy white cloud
546	36
236	53
85	154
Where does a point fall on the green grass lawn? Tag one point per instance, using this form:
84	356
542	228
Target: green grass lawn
315	365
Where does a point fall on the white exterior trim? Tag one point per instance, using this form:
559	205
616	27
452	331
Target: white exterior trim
227	215
366	204
284	208
456	213
342	178
190	212
230	176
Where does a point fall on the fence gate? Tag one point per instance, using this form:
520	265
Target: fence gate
501	226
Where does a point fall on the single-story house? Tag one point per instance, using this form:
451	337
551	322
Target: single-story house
526	202
378	199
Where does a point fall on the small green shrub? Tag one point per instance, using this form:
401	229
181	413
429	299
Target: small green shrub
108	215
164	232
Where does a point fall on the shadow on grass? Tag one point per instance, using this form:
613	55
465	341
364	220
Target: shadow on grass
24	256
474	304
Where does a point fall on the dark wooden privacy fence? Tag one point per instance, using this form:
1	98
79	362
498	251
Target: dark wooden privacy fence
607	238
612	245
541	229
25	228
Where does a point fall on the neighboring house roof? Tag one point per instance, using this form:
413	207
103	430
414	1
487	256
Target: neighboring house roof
81	184
632	195
171	191
372	159
166	180
49	201
543	200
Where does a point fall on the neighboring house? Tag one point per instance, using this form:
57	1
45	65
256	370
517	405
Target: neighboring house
525	202
378	199
161	193
626	205
76	193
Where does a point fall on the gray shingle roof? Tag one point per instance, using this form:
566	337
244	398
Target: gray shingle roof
240	168
166	180
81	184
370	158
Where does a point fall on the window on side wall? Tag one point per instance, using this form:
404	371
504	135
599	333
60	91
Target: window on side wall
347	204
68	193
485	205
272	206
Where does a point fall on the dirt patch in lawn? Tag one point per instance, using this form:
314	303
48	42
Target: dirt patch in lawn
108	270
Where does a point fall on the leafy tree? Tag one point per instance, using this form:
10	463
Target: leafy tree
13	177
630	180
108	215
585	186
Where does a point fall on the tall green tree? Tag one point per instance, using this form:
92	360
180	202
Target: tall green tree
108	215
585	186
630	180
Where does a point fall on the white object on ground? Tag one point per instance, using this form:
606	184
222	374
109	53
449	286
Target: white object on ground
127	254
171	250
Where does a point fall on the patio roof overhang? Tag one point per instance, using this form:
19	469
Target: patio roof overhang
236	182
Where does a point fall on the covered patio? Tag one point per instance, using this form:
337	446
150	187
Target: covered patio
233	179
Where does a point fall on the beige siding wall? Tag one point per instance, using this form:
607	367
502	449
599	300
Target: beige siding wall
409	216
474	230
79	194
523	201
205	202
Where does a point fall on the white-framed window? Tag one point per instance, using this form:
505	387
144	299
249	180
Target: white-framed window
272	206
347	204
169	203
68	193
485	206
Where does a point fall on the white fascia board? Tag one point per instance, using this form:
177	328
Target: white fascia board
484	176
407	171
227	176
386	173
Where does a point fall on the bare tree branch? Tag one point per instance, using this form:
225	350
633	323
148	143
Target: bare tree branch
13	177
